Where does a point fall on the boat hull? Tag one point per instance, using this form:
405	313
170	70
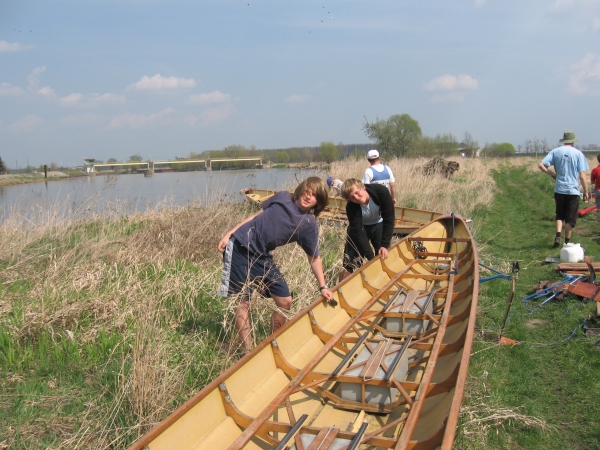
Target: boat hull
429	279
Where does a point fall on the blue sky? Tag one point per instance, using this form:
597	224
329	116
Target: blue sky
163	78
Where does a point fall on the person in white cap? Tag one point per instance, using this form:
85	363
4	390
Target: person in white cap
569	171
379	173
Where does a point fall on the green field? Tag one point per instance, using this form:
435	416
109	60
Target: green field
544	393
107	326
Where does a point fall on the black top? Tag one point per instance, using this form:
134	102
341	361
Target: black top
356	230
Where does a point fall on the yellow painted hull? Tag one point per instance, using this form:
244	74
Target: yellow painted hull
307	385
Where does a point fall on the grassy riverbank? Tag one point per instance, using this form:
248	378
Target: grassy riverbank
35	177
542	394
107	325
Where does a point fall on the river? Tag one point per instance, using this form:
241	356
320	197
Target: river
119	195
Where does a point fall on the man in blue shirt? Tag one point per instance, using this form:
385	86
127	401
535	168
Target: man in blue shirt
569	170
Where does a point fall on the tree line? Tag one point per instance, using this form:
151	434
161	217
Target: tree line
400	135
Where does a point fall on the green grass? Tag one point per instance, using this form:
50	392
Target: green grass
54	386
546	376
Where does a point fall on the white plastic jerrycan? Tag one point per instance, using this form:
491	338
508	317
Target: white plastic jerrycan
571	253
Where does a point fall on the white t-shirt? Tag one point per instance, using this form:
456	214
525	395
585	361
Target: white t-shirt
374	174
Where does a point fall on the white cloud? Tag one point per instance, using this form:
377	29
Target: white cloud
158	82
46	91
7	89
296	98
28	124
480	2
34	77
70	100
211	97
14	47
77	100
139	120
451	83
585	79
218	114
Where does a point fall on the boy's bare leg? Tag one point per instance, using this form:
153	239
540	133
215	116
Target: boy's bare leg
278	319
242	324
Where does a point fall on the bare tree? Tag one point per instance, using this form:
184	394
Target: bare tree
470	145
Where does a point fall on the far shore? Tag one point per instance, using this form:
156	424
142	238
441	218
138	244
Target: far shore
36	177
11	179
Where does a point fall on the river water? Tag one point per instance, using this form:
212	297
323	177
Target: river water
119	195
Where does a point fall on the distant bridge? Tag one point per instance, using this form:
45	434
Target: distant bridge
156	165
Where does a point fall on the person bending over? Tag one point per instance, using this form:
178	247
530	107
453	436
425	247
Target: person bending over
248	264
335	186
371	217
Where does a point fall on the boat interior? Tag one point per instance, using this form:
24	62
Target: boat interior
383	366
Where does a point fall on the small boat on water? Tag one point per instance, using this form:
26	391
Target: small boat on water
384	366
407	219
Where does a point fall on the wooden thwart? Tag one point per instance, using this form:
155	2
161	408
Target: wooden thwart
292	390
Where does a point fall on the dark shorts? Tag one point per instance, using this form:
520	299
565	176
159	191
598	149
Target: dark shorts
566	208
245	272
352	259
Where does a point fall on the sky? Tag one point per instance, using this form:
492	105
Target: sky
110	79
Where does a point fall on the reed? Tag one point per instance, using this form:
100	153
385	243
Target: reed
112	321
469	188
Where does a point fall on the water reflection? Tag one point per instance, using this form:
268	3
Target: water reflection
119	195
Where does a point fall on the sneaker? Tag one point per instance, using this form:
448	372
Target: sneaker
556	241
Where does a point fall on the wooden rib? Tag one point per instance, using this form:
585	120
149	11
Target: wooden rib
273	405
415	411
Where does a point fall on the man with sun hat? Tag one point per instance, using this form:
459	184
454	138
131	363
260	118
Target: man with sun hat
569	171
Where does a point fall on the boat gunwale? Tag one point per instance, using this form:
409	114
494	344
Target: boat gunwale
450	426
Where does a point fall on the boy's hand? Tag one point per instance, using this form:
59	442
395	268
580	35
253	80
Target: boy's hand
329	296
223	243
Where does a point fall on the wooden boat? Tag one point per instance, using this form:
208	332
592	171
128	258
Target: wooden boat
407	219
383	368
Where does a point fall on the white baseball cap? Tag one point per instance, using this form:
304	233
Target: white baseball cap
372	154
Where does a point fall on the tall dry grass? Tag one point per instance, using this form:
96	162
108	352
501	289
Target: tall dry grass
151	279
138	277
471	186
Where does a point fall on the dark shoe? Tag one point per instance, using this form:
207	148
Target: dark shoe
556	241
